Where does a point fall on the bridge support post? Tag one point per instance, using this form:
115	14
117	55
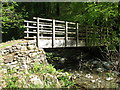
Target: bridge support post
77	34
66	33
27	29
53	33
38	35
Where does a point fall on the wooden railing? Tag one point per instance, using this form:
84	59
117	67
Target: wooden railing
53	29
55	33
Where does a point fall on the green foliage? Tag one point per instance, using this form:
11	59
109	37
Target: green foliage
52	58
12	82
102	14
12	20
67	82
41	68
11	71
110	74
51	77
34	86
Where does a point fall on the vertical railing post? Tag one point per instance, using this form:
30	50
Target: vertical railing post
27	29
53	33
41	31
66	33
77	34
38	35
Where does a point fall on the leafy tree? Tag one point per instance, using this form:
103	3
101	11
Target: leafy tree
12	21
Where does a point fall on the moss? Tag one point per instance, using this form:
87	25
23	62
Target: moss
10	43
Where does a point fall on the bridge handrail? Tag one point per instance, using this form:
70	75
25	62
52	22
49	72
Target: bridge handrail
54	29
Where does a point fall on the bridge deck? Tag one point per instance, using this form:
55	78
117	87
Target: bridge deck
47	43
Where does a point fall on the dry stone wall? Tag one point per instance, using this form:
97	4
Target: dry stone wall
22	56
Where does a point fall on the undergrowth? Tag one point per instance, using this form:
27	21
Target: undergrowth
39	76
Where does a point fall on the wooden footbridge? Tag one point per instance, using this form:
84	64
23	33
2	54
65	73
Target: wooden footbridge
51	33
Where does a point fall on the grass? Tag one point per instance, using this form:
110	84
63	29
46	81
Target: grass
10	43
49	78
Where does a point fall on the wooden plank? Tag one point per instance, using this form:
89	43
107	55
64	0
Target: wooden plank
41	26
53	33
27	29
43	31
37	41
51	38
30	27
71	32
59	21
56	38
46	28
29	37
59	29
30	21
48	31
29	32
49	28
66	33
71	23
34	30
60	26
77	34
46	25
71	28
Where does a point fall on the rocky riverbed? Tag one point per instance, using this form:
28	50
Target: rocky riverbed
23	65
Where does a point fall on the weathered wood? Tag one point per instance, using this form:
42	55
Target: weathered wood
56	38
46	31
38	35
72	28
45	25
59	29
66	33
34	30
53	33
77	34
71	32
50	28
71	23
59	21
60	26
30	27
27	30
30	21
41	31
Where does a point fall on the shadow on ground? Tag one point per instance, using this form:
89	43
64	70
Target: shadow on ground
72	58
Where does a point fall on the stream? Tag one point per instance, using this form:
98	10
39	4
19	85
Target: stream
88	67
